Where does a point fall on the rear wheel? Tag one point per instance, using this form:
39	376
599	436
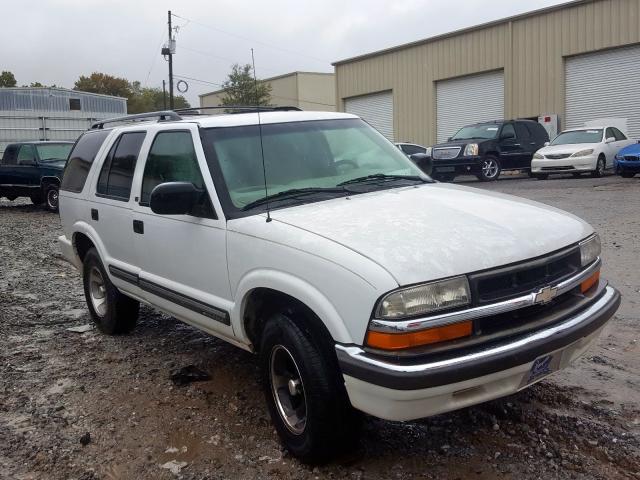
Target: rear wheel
51	198
490	169
112	312
600	166
307	401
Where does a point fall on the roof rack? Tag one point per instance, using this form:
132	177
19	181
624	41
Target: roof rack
237	109
163	116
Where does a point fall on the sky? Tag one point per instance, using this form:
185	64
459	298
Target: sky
56	41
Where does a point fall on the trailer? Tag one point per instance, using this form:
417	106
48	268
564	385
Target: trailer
44	114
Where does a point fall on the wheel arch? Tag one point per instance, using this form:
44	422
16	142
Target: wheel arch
47	181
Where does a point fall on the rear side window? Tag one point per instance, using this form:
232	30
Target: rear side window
522	131
539	133
116	175
10	155
82	156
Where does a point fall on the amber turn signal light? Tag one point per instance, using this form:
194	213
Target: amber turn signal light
398	341
590	282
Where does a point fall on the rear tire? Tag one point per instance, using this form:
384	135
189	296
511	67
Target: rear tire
112	312
51	198
490	169
304	392
36	199
600	167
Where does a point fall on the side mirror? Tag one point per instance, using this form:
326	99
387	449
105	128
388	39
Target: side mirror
423	162
449	139
546	144
610	140
174	198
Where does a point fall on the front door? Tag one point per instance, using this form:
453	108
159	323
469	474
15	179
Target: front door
183	258
509	147
26	172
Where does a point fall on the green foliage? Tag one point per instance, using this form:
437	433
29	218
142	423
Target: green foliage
240	88
139	99
7	79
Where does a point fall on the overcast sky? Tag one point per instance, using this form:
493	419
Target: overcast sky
56	41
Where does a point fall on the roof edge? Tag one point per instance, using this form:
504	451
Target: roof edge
62	89
460	31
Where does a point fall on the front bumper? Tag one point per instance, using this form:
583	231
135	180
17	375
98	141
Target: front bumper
565	165
627	166
400	391
459	165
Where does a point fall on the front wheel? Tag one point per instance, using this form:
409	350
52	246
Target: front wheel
307	403
600	166
52	198
112	312
490	169
36	199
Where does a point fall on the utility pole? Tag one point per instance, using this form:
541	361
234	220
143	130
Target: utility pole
170	63
164	95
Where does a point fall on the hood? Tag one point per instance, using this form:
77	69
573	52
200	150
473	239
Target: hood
633	149
568	148
438	230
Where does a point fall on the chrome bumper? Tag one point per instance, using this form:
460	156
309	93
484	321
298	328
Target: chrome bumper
357	363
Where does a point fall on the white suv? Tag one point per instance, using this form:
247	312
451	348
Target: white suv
310	239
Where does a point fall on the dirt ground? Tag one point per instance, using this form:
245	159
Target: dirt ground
56	386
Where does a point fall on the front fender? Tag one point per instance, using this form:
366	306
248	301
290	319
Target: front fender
295	287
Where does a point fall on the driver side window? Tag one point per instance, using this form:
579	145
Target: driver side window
508	132
26	155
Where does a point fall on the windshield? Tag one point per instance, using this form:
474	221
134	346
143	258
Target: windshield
54	152
327	157
477	131
578	136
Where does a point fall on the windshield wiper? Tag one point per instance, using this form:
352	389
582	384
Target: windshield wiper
294	193
382	176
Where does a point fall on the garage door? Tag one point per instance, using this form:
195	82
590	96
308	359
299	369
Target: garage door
604	85
376	109
466	100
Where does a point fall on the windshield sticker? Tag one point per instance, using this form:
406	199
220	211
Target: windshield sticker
492	129
593	131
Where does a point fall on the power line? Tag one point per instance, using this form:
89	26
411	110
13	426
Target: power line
218	57
253	40
155	56
197	80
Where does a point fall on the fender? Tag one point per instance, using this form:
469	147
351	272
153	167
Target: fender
294	287
89	231
48	180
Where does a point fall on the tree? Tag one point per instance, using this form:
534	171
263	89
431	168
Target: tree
7	79
241	88
147	99
104	84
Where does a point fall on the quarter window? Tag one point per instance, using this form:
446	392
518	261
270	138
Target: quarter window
26	155
618	134
82	156
172	158
10	154
117	172
609	133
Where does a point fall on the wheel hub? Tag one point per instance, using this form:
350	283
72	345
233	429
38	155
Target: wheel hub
288	390
98	292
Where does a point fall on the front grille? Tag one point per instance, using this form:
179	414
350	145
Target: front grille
523	278
558	168
445	153
632	158
557	156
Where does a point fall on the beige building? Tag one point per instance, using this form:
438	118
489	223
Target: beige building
578	61
307	90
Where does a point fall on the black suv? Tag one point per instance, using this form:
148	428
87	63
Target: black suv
485	149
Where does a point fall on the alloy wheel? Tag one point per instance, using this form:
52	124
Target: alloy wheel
489	168
287	389
98	291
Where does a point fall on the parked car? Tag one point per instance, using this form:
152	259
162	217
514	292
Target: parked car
627	161
362	284
485	149
580	150
34	170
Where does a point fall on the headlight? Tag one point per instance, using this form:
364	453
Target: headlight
583	153
428	151
537	155
589	250
471	149
424	299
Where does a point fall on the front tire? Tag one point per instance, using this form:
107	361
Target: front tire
307	401
600	167
490	169
112	312
36	199
51	198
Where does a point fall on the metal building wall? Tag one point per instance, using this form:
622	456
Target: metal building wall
531	49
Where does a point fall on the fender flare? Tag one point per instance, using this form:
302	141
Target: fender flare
49	180
86	229
295	287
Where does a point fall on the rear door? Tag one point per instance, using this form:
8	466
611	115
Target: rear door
509	147
527	143
183	258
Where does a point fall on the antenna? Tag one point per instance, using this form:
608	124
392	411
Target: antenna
264	169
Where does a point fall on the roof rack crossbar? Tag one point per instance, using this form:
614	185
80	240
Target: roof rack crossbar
166	115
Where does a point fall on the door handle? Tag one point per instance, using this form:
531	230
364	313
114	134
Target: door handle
516	144
94	214
138	226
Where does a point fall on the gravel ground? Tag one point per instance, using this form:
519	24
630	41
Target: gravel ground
88	406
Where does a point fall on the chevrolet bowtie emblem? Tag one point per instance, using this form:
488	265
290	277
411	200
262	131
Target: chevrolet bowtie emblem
545	295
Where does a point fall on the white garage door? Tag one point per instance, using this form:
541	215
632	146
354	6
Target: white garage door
604	85
466	100
376	109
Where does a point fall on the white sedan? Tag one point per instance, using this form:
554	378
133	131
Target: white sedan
580	150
